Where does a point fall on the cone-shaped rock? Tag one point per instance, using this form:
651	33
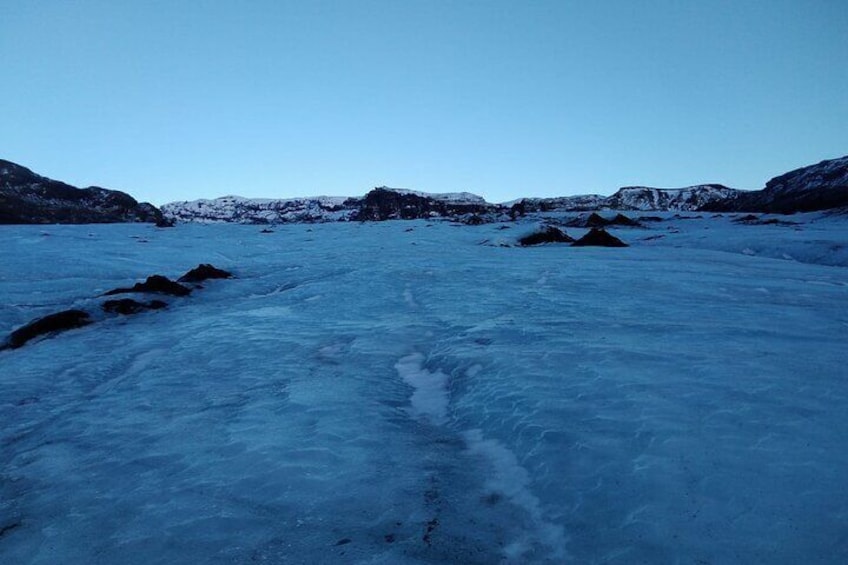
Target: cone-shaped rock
598	237
547	235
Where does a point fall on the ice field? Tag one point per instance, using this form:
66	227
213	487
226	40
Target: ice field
415	392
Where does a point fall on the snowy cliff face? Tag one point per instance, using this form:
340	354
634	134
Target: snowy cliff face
240	210
581	203
29	198
380	204
661	199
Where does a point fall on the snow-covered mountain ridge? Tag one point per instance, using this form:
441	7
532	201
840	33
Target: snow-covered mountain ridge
816	187
26	197
385	203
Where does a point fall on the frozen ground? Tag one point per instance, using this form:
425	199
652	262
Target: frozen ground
366	394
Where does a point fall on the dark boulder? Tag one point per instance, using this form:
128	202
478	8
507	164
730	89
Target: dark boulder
203	272
747	219
164	222
595	220
59	322
126	306
548	235
622	220
598	237
154	283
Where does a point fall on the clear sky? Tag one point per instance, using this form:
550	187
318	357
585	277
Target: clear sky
197	99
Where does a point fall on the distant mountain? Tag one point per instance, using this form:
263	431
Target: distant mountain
382	203
385	203
822	186
28	198
665	199
263	210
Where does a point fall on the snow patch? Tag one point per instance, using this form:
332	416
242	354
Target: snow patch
510	480
430	394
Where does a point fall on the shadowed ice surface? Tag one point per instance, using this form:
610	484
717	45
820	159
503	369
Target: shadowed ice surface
365	394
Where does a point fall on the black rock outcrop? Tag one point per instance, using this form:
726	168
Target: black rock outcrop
622	220
599	237
387	204
28	198
69	319
157	284
127	306
203	272
548	235
58	322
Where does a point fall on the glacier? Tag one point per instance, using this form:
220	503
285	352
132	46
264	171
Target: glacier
422	392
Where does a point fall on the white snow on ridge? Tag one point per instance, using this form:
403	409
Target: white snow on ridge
681	199
250	210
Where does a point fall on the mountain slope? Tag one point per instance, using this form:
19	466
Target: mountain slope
667	199
816	187
29	198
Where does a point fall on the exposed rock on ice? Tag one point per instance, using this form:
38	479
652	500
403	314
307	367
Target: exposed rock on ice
549	234
154	283
53	323
126	306
203	272
599	237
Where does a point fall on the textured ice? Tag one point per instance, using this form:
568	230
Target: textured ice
364	394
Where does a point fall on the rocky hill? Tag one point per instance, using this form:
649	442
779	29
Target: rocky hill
26	197
660	199
822	186
29	198
382	203
263	210
385	203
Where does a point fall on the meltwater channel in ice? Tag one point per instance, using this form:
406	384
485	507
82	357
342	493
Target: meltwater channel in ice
371	393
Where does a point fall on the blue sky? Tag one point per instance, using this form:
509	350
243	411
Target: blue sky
182	100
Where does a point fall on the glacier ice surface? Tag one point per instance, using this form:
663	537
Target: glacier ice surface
365	394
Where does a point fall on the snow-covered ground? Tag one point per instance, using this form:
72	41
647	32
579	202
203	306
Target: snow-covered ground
362	393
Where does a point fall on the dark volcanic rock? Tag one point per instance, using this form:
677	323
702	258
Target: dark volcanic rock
598	237
548	235
622	220
387	204
752	220
155	283
746	219
126	306
61	321
28	198
595	220
203	272
822	186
